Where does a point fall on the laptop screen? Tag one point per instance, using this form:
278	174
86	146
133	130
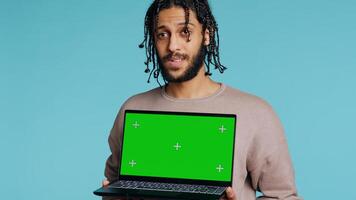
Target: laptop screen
177	145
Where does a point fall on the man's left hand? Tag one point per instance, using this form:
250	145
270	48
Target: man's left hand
229	194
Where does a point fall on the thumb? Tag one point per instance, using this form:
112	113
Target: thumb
105	182
230	194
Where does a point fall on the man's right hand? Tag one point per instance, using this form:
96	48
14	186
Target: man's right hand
105	183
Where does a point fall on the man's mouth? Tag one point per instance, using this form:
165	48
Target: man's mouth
175	63
176	59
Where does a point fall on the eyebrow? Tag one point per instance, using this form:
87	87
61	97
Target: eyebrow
180	24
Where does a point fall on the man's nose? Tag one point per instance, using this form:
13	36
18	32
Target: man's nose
174	44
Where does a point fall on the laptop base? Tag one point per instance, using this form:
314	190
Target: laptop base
171	195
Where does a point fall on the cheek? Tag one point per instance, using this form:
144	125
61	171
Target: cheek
160	48
194	48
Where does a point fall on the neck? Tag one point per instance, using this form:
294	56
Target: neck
199	87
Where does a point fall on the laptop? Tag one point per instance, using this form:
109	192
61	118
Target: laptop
174	155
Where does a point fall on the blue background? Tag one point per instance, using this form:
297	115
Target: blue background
67	66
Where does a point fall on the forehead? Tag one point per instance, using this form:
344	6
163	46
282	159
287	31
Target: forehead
175	16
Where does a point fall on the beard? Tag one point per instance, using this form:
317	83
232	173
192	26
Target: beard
193	67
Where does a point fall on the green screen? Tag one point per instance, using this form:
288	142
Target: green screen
178	146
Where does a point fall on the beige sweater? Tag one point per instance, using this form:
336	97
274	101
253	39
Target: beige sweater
262	162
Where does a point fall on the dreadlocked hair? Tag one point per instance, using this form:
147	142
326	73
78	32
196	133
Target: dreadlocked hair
205	17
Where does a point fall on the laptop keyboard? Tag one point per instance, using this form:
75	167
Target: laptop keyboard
168	187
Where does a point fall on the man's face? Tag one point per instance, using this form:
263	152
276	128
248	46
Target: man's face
179	59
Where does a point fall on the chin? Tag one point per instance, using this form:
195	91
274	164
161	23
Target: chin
176	72
176	76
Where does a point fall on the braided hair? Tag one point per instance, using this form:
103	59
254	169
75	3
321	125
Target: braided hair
205	17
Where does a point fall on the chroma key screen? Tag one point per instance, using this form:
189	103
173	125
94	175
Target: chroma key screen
178	145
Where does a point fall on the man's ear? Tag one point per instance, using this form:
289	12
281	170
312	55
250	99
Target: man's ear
206	37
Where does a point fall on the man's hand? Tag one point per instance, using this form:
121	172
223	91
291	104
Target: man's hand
229	194
105	183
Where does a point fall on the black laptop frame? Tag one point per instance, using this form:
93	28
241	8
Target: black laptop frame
177	180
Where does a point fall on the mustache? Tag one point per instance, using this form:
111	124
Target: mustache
171	56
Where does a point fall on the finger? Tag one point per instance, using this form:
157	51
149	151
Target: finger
105	182
230	194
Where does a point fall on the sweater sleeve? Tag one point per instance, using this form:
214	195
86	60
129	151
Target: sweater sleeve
269	163
112	163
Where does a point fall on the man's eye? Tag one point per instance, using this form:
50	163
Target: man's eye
162	35
186	32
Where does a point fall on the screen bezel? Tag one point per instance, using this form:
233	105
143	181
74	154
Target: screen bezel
177	180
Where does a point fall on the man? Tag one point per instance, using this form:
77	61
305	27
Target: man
182	41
